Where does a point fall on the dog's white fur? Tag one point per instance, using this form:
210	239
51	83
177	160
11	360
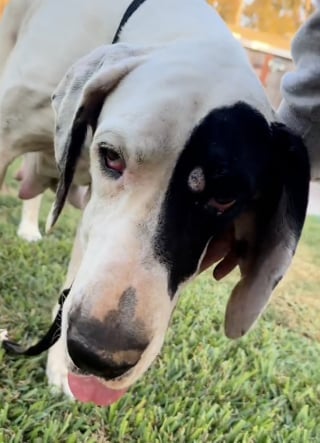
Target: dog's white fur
160	96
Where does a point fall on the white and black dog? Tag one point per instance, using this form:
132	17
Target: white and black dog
178	143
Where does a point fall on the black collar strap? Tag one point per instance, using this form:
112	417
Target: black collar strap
129	12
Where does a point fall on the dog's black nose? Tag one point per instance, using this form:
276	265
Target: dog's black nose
90	361
107	349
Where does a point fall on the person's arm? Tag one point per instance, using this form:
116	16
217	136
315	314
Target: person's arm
300	108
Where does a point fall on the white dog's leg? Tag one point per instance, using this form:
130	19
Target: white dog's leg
29	224
57	366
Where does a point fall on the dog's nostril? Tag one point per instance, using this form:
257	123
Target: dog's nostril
91	362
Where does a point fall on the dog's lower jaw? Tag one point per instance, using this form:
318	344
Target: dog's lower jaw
57	370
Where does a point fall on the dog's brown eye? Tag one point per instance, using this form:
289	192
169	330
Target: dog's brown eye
112	160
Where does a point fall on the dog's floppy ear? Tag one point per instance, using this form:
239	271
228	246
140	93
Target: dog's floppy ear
77	103
269	234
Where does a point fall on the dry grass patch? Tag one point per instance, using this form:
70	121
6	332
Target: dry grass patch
296	303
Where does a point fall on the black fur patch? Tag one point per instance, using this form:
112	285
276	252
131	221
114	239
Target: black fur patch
296	174
233	146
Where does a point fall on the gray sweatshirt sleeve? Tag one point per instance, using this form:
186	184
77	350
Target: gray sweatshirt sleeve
300	107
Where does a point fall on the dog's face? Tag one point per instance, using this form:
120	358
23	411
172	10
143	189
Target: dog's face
173	164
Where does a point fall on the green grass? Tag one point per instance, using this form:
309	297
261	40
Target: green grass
203	388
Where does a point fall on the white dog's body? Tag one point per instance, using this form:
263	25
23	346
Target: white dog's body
178	83
60	32
29	80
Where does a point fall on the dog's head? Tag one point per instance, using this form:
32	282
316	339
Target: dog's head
182	147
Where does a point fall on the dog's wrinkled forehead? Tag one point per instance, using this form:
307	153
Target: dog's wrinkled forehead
220	170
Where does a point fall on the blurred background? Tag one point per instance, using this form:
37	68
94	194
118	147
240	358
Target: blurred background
266	29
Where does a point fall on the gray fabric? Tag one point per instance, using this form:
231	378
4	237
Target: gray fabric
300	108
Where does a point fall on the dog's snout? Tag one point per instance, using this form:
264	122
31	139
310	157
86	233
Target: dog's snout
107	349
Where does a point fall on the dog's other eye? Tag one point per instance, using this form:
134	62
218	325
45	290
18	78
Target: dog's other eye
111	160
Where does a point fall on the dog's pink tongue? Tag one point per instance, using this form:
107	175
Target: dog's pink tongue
89	389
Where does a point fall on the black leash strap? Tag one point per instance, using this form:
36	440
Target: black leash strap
129	12
50	338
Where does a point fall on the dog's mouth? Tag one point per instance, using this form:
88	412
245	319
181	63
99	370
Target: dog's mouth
90	389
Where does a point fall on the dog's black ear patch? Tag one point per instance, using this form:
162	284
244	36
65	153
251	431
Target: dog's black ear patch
296	171
236	169
73	116
77	103
275	230
222	167
68	163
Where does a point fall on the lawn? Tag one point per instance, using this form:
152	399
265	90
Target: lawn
203	388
